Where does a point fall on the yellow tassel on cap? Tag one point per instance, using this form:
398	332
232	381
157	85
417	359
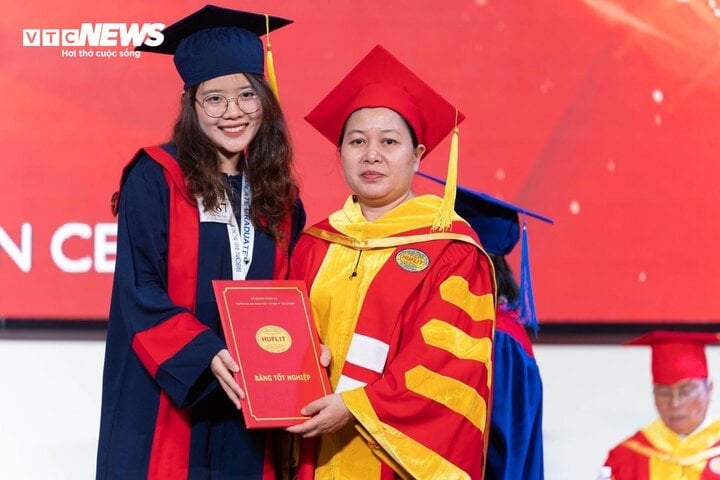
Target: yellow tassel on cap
447	206
272	80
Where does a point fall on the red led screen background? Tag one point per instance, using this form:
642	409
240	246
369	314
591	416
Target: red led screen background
602	114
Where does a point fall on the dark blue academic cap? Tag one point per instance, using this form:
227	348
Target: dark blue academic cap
495	221
216	41
497	224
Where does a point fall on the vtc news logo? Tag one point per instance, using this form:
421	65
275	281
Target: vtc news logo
95	35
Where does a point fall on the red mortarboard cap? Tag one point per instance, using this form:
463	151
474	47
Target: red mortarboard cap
677	355
380	80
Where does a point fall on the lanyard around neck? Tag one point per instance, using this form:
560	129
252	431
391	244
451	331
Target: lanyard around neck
241	235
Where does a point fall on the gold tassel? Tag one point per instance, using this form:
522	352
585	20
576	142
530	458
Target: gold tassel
447	206
272	80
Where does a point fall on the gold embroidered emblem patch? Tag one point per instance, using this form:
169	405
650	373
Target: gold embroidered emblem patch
412	260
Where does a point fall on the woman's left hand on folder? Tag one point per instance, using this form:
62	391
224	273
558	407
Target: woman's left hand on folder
224	367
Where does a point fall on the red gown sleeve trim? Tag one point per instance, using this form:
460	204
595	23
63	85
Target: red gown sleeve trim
160	343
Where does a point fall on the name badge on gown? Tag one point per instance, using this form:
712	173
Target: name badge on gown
241	237
222	214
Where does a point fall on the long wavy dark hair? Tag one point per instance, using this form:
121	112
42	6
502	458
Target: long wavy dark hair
268	164
506	284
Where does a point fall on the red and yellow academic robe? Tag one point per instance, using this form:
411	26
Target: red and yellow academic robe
657	453
408	315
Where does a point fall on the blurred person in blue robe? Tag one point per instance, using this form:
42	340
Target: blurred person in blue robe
515	449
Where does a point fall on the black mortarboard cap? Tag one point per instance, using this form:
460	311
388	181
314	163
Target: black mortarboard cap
216	41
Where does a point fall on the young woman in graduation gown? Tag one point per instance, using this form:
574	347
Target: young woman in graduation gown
218	202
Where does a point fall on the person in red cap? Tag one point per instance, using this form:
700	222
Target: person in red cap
217	202
683	443
402	293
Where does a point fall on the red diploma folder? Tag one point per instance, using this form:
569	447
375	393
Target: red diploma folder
270	332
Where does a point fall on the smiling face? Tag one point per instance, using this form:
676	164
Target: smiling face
378	159
234	129
683	405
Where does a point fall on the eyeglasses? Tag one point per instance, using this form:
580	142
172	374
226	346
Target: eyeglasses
682	393
216	105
